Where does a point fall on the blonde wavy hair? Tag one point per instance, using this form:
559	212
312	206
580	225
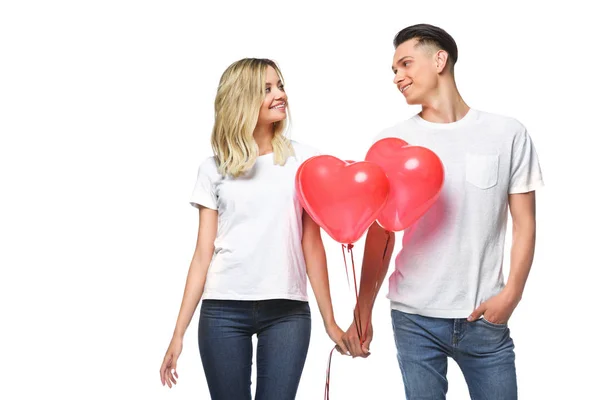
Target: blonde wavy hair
239	98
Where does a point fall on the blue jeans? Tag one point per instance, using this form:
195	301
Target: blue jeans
225	340
483	351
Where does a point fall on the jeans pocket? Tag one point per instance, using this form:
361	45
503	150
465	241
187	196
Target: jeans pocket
493	324
482	170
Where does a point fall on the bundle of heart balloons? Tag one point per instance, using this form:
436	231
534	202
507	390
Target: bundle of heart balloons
394	186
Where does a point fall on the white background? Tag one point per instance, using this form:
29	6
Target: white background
105	114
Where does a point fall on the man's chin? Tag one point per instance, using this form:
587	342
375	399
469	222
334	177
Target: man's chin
411	100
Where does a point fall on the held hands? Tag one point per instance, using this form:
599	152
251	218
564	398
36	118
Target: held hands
497	309
353	344
169	364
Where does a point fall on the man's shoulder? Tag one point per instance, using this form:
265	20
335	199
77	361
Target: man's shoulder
503	122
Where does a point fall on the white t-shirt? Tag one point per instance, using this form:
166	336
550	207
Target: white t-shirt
258	248
451	259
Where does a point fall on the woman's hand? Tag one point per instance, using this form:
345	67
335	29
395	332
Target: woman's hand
336	333
169	364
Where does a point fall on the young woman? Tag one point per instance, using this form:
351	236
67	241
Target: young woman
255	247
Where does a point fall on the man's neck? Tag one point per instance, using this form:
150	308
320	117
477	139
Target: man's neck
445	106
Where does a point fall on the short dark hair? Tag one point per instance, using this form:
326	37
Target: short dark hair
429	34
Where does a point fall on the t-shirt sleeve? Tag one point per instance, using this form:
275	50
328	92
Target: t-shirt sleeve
525	171
204	189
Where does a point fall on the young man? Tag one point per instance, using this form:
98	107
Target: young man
448	295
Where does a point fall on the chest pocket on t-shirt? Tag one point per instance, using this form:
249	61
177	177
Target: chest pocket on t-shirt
482	170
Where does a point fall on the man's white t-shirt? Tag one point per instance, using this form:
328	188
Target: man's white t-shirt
451	258
258	248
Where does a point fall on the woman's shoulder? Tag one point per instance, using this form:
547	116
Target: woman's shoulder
208	166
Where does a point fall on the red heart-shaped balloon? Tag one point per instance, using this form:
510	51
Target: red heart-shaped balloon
342	198
416	176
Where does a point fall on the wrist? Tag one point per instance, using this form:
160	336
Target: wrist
364	311
178	336
513	292
329	323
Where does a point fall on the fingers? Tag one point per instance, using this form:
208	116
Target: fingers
168	375
367	345
167	369
355	347
346	342
357	344
475	315
352	342
341	348
171	371
351	345
163	369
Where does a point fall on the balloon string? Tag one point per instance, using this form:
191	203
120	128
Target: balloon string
345	265
357	320
328	374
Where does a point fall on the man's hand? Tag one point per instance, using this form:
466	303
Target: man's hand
352	342
497	309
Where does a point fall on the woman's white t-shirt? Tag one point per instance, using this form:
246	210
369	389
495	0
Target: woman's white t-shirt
258	248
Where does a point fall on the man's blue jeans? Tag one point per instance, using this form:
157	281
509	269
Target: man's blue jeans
484	352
